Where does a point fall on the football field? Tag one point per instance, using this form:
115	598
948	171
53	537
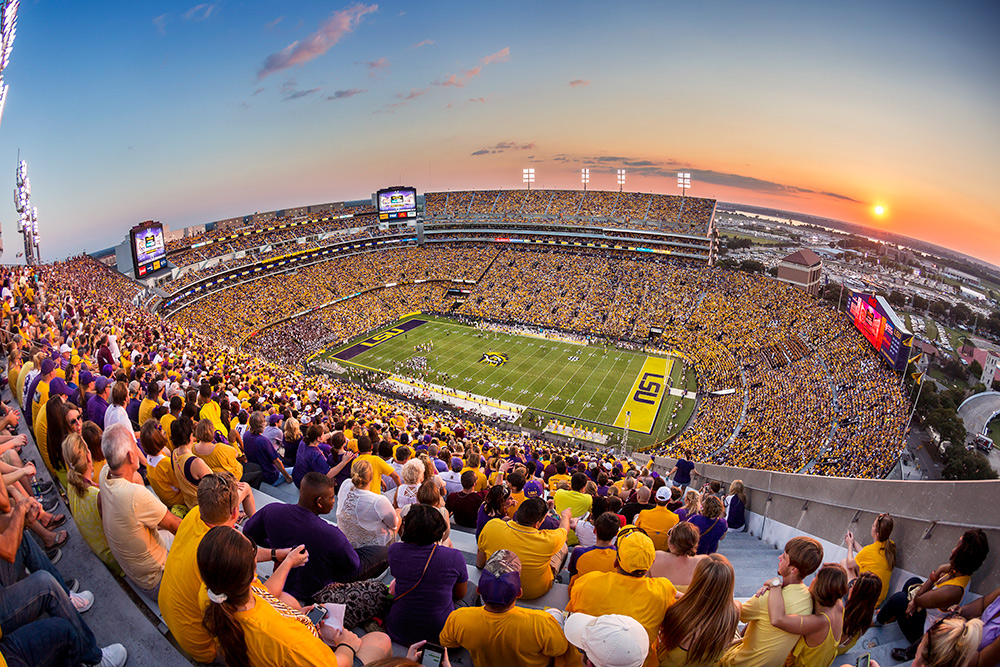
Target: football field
591	386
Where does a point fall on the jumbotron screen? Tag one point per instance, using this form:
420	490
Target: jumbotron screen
877	321
397	203
148	248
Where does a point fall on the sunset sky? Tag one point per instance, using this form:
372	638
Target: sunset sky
188	112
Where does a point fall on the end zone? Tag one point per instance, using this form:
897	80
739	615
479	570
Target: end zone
643	401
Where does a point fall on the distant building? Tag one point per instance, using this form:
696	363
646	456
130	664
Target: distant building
960	276
803	269
990	369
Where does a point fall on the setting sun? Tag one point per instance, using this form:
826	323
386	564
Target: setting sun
879	210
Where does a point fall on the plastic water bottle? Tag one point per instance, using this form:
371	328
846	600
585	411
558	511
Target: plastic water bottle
36	488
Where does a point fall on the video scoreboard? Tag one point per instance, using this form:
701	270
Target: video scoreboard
149	251
396	203
878	322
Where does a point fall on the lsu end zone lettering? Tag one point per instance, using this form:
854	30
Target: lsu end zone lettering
358	348
646	395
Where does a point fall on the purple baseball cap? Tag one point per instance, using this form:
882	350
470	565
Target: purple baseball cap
101	383
500	581
47	366
86	377
456	463
59	386
534	489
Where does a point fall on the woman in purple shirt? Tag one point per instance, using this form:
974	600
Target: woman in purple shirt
429	578
712	525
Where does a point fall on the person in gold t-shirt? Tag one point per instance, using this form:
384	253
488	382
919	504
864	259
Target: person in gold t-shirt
764	645
253	629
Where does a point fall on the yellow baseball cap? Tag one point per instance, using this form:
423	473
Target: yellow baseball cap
635	550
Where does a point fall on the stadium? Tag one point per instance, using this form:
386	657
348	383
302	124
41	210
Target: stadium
485	426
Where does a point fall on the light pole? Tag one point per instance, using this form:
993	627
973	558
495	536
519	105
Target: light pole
585	178
621	179
683	182
27	222
528	176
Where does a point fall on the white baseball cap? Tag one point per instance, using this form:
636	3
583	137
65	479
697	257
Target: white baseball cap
663	493
612	640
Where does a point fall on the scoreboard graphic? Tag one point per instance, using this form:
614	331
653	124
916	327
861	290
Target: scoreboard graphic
879	324
397	203
149	251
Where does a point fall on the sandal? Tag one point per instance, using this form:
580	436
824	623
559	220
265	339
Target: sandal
61	538
55	521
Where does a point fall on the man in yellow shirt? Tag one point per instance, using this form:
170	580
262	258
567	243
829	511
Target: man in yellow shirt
379	466
560	476
40	396
627	590
578	502
659	520
541	552
176	405
181	584
500	634
764	645
472	463
150	402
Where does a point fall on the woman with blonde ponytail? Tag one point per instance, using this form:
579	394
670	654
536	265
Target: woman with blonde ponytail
951	642
879	557
84	499
253	630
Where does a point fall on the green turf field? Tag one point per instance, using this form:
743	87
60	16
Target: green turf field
589	385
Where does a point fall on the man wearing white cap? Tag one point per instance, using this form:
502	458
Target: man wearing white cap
608	641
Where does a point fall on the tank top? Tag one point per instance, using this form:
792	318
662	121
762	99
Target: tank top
933	615
804	655
186	484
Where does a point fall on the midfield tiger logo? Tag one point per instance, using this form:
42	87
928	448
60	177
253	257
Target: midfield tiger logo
493	359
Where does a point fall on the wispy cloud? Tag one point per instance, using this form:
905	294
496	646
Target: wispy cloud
503	146
316	44
406	98
669	168
375	65
290	91
258	92
426	42
579	82
459	80
201	11
271	25
344	94
161	23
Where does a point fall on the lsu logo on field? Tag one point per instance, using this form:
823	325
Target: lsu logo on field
647	393
382	337
493	359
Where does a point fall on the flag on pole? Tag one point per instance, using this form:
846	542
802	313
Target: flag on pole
908	342
918	377
916	358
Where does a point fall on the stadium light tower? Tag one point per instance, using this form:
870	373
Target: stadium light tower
621	179
8	29
683	182
528	177
27	222
585	177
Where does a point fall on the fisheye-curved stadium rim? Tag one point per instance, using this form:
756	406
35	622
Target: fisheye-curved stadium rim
458	232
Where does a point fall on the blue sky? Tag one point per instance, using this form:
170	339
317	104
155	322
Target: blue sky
187	112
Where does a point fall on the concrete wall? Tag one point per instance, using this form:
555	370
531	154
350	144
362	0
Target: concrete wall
929	517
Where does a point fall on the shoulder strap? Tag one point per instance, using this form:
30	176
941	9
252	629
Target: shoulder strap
433	549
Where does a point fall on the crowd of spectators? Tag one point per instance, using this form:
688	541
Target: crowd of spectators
681	214
180	542
768	344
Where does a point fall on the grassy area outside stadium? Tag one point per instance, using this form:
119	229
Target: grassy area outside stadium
589	386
